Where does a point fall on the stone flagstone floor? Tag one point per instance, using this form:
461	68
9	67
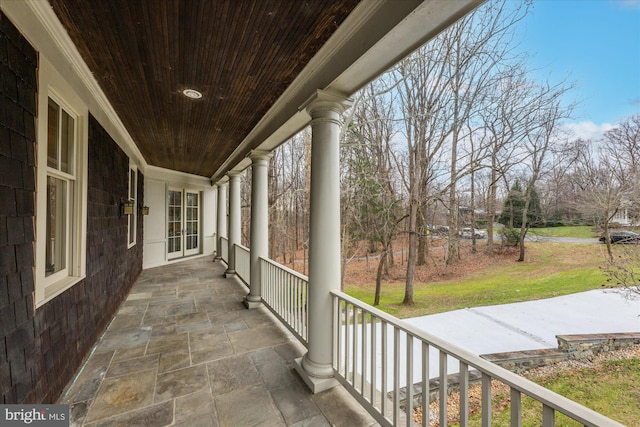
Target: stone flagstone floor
184	351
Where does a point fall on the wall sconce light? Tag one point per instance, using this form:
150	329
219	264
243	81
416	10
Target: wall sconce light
127	207
144	210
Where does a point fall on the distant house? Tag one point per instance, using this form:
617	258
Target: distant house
621	217
624	216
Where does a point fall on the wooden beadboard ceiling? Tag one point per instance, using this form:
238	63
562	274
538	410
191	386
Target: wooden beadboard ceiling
241	54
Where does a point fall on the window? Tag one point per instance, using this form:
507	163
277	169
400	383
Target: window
133	196
61	138
61	212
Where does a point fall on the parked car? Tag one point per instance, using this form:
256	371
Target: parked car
622	236
466	233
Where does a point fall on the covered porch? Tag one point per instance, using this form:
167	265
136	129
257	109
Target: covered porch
167	106
183	350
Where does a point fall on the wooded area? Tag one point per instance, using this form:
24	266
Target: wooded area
444	140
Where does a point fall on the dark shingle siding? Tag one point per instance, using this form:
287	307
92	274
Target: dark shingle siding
40	350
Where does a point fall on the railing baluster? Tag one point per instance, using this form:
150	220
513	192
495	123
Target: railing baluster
347	347
516	408
426	390
548	416
354	347
374	359
285	298
338	332
363	353
409	394
335	335
464	394
306	311
295	303
291	299
486	400
385	348
346	339
396	376
266	280
443	392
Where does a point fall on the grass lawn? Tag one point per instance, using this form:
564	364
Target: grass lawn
611	388
578	231
608	384
551	269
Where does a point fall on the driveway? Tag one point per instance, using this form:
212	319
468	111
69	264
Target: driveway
534	324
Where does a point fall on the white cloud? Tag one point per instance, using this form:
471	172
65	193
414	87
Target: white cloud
588	129
629	4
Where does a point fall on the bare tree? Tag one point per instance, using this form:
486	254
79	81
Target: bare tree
481	47
616	182
288	199
423	116
370	203
547	112
505	118
441	89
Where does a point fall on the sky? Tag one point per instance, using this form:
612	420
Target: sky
596	45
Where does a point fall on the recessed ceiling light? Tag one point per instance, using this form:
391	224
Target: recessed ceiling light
192	93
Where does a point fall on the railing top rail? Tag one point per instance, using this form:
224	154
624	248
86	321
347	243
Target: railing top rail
287	269
246	249
554	400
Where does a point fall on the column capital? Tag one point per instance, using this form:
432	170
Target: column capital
223	181
256	155
324	100
233	174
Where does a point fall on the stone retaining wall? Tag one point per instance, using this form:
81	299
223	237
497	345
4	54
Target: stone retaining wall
570	347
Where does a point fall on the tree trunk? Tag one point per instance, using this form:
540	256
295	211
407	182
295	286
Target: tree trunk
474	249
422	242
491	203
524	225
411	259
381	266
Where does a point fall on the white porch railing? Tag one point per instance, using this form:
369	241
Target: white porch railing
285	292
243	264
224	249
375	354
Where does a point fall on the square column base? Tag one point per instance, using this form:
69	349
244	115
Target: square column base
316	385
229	273
251	304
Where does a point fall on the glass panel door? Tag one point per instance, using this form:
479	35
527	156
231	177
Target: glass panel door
192	223
174	224
183	223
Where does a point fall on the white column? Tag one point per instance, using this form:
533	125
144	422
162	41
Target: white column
221	229
214	220
234	220
325	110
259	239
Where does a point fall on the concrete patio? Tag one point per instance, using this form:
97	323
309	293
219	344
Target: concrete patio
183	350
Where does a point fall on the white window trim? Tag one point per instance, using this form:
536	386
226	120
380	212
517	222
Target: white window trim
131	243
52	85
